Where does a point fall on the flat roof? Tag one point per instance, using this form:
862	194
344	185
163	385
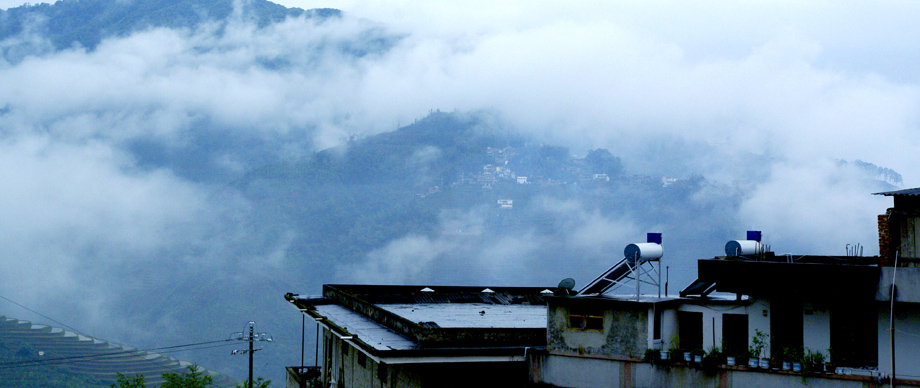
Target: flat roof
472	315
912	192
371	333
436	317
644	298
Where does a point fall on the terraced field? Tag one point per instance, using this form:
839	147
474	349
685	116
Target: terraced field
37	356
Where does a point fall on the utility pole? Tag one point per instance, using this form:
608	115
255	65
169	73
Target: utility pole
250	337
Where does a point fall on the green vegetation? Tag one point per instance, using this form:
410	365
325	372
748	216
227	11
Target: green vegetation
88	22
259	383
191	379
760	344
137	381
19	369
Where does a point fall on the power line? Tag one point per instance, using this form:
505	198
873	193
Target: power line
122	353
251	337
44	316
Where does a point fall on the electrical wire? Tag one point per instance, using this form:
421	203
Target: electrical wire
113	355
109	356
45	316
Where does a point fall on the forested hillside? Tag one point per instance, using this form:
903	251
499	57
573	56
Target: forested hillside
85	23
172	168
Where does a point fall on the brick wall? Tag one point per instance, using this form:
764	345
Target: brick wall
884	241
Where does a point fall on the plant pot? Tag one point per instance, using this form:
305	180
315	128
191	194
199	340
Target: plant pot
663	355
796	366
687	356
752	362
764	363
730	361
787	365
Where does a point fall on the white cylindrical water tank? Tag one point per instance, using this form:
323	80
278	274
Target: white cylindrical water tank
645	251
743	248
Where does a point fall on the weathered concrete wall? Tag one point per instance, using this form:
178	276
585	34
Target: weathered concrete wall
817	333
584	372
714	315
907	319
908	285
624	334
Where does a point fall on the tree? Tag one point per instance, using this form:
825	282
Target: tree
602	161
130	382
191	379
259	383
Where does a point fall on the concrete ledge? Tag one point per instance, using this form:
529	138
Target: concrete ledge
568	370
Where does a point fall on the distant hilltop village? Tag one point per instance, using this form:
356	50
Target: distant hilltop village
574	171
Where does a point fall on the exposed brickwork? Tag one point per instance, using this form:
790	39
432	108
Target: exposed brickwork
884	241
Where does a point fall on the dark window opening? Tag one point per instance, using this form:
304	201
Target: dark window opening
690	330
854	334
586	319
657	325
735	334
382	372
786	326
576	321
362	359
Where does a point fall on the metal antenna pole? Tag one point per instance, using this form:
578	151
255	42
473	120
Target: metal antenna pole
303	338
894	278
250	353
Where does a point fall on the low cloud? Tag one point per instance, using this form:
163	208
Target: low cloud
116	160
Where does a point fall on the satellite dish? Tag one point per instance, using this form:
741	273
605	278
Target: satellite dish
567	283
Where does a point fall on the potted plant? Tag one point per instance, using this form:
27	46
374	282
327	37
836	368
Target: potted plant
711	359
829	364
753	356
759	347
786	358
675	350
662	352
650	355
697	355
730	359
812	362
792	359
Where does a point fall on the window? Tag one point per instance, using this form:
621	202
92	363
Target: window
382	372
735	333
584	319
362	359
690	330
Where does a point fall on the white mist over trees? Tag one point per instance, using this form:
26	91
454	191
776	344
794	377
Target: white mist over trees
171	183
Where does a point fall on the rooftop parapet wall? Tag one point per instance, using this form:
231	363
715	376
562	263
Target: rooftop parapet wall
817	276
624	334
907	285
430	334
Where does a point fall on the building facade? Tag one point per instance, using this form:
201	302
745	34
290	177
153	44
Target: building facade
415	336
751	319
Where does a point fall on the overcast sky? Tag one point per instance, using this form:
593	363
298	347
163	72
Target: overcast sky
767	97
763	97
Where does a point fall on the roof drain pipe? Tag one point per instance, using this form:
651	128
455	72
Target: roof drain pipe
894	277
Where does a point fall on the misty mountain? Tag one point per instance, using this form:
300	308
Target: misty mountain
445	175
443	181
85	23
173	168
